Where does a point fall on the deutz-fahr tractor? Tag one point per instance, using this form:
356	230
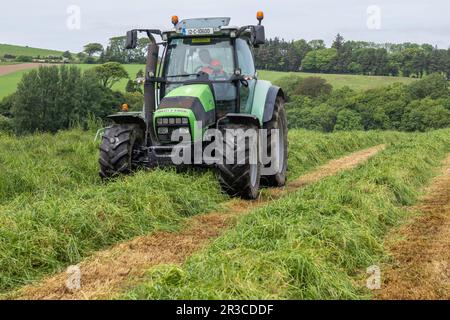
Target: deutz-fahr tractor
205	80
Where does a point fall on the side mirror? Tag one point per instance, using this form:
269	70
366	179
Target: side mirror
258	35
132	38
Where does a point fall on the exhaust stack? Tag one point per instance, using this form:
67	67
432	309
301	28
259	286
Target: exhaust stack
150	88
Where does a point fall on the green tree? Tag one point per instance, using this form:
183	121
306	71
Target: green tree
434	86
110	73
319	60
93	48
348	120
52	98
313	87
67	55
317	44
425	114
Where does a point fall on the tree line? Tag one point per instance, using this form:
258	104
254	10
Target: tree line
114	52
353	57
346	57
420	106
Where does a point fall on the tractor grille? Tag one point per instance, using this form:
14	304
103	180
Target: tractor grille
166	126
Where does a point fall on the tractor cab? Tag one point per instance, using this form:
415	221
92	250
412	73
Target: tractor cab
212	59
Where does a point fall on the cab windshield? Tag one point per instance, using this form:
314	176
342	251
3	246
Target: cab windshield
189	56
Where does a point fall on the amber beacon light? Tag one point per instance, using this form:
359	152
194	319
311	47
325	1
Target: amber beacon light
260	16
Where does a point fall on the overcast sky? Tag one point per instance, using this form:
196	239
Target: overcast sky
44	23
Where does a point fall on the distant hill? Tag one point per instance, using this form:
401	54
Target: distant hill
26	51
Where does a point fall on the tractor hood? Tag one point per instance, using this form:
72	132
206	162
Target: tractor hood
193	102
196	97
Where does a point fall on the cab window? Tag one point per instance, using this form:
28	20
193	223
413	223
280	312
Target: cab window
245	58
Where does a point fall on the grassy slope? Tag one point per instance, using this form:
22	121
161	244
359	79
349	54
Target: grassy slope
26	51
356	82
56	211
9	82
314	243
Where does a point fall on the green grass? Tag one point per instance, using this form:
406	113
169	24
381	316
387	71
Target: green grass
26	51
356	82
8	83
315	243
56	211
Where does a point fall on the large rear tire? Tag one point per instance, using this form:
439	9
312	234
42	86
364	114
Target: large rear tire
116	149
278	121
241	179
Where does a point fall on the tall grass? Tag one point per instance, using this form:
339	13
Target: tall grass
54	210
45	163
314	243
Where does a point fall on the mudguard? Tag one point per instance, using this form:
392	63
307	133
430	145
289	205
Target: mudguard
269	105
240	118
264	100
129	118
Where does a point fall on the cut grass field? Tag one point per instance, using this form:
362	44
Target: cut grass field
108	272
27	51
8	83
315	243
55	210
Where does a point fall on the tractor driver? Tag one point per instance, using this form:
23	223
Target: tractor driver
210	66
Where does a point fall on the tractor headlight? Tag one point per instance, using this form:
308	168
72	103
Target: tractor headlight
163	130
167	126
183	130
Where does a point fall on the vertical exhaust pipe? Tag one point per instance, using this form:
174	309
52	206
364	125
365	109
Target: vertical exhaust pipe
150	89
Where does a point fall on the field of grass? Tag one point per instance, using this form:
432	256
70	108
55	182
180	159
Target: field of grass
8	83
55	210
315	243
26	51
356	82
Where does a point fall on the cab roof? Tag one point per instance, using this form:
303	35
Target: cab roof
217	27
203	23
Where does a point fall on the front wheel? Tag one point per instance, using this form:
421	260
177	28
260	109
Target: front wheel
116	149
240	170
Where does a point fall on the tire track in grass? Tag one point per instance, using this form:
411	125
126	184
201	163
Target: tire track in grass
108	272
421	248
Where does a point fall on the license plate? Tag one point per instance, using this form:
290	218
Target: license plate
198	31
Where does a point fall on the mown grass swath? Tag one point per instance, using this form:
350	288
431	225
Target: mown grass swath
55	210
313	244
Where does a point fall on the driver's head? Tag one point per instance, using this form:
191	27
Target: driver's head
205	57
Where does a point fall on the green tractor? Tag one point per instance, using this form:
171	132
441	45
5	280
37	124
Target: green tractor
201	98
